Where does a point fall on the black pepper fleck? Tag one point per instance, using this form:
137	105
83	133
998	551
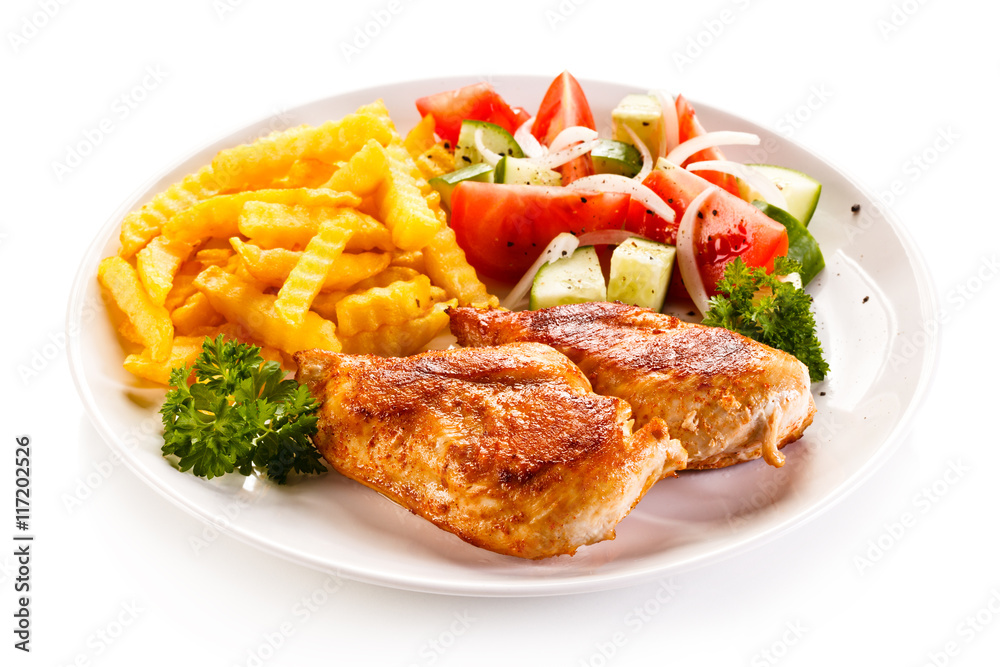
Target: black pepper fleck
864	300
855	208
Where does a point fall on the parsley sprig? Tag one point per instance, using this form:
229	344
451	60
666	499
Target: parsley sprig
239	414
776	313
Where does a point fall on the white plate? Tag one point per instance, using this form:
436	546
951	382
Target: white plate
872	303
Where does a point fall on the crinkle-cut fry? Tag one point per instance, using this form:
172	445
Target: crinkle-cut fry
183	352
151	320
325	303
435	161
195	313
273	266
309	273
209	256
411	259
445	263
420	139
218	217
183	286
396	303
256	165
240	302
364	172
127	331
405	212
142	225
400	340
306	173
158	263
282	226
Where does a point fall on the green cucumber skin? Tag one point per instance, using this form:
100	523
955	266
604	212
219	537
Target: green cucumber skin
495	138
573	279
802	247
445	184
804	198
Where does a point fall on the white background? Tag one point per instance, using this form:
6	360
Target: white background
873	83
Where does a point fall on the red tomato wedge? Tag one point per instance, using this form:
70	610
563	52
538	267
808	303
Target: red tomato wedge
688	128
729	228
503	228
476	102
564	105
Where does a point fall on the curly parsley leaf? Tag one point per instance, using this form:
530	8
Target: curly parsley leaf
759	306
240	413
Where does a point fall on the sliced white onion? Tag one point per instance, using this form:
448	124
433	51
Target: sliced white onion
554	159
570	136
671	125
619	183
647	157
794	278
561	246
756	180
489	157
682	152
687	262
527	141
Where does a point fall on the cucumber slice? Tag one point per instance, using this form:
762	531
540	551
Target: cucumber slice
801	191
517	171
573	279
616	157
802	247
495	138
643	114
445	183
640	273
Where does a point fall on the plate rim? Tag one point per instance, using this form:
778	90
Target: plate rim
929	359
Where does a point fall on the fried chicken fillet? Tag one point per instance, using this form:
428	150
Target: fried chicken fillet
725	397
507	447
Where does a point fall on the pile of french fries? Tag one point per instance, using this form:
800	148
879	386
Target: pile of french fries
316	237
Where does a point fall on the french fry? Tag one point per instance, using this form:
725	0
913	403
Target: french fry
195	313
396	340
183	352
445	263
142	225
273	266
309	274
306	173
435	161
158	263
325	303
421	137
151	320
218	217
241	303
364	172
253	166
396	303
282	226
411	259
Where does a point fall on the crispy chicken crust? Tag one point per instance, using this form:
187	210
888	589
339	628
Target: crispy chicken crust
507	447
725	397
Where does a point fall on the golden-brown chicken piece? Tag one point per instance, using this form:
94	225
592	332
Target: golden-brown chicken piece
725	397
506	447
